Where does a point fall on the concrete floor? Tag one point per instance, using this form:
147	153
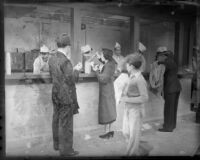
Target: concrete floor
184	141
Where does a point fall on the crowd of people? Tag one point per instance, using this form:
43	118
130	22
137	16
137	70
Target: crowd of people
129	88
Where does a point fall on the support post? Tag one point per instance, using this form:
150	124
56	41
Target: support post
134	34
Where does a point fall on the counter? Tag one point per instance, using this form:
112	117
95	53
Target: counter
29	107
30	78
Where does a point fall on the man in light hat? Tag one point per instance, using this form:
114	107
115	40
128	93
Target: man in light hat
41	62
171	89
160	50
86	55
64	96
117	56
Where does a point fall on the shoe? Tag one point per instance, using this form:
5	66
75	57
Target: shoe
105	136
71	154
164	130
192	106
111	134
56	147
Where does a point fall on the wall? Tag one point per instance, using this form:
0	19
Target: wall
104	30
155	35
28	30
105	37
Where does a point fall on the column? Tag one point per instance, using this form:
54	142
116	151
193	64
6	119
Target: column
179	43
134	33
76	35
198	68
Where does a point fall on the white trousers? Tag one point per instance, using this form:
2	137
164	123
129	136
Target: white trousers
132	123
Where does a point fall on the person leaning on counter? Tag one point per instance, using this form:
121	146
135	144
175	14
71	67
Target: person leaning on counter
41	62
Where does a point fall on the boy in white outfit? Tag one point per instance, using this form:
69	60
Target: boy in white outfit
134	97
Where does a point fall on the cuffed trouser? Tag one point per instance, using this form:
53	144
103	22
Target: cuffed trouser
131	129
62	127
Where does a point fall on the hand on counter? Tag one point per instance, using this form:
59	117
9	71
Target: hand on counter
95	68
78	67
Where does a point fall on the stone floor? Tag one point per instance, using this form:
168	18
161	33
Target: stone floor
184	141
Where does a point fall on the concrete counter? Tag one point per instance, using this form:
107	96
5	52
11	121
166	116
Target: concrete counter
30	78
29	109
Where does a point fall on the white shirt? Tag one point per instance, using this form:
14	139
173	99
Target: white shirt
40	66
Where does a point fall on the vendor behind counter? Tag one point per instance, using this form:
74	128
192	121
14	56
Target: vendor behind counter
40	64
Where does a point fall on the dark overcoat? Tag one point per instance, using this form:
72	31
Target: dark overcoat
64	78
172	88
64	102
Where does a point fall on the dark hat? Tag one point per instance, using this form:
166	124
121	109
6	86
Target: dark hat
63	40
108	53
165	53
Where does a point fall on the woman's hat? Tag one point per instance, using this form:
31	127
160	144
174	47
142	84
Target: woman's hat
107	51
63	40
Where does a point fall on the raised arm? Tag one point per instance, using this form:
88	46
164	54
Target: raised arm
107	74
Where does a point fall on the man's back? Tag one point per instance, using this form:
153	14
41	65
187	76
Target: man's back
63	79
171	82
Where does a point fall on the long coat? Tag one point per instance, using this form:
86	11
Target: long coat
172	88
64	78
107	104
171	81
64	102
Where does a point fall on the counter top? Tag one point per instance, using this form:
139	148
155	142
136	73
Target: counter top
29	78
18	78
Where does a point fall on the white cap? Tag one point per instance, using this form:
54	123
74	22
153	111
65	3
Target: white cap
117	45
142	48
86	48
44	49
162	49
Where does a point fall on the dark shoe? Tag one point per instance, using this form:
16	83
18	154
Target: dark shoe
56	147
71	154
192	106
164	130
111	134
105	136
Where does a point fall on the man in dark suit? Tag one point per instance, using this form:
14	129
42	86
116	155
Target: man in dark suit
64	96
172	88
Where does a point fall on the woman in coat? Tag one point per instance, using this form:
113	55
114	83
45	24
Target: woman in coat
107	104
